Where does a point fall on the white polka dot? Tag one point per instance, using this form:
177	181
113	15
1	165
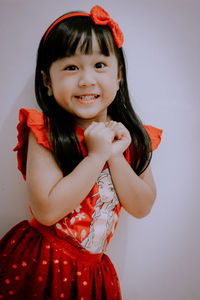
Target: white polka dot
24	264
56	261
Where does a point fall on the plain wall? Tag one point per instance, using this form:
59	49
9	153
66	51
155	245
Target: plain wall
157	257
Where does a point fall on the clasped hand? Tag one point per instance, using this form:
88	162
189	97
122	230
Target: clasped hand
108	139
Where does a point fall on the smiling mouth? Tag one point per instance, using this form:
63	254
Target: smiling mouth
89	98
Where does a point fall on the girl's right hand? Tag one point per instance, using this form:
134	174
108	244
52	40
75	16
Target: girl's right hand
98	139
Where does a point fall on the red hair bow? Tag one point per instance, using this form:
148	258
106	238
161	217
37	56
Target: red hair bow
101	17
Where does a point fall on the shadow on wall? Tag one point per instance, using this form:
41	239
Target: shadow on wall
14	198
118	247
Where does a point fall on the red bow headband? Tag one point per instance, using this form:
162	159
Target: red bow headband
99	17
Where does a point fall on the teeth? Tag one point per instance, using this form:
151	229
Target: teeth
88	98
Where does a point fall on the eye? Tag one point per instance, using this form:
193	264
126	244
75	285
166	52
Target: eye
100	65
71	68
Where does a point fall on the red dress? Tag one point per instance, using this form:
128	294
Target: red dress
66	260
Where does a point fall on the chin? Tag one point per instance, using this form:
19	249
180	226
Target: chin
88	116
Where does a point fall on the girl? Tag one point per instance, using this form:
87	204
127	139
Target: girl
84	156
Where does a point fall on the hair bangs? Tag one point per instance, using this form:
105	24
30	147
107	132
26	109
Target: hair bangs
105	40
81	39
76	33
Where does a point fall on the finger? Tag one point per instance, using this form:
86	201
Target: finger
119	129
99	127
111	135
111	124
119	134
93	126
108	131
105	132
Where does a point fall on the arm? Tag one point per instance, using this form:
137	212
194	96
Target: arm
53	196
136	193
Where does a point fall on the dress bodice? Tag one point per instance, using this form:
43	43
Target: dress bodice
94	221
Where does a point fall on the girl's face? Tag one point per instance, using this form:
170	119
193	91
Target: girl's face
85	84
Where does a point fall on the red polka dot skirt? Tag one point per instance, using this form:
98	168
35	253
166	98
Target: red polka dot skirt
35	264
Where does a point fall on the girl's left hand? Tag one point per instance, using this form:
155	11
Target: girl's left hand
122	138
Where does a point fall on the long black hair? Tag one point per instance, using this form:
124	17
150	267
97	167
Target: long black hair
63	41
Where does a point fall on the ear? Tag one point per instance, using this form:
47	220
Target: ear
119	77
47	83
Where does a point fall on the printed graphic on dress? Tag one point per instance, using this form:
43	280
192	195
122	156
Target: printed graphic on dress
104	216
65	228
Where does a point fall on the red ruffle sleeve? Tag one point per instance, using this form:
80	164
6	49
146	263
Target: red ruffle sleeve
29	119
155	135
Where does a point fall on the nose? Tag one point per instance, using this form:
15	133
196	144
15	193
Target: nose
87	78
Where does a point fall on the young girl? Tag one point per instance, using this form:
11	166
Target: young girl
84	157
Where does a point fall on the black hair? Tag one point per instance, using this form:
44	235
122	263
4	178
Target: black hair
63	41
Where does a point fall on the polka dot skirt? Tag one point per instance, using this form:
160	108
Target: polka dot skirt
35	264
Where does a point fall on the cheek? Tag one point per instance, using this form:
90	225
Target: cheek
115	82
117	85
111	85
115	88
58	95
61	88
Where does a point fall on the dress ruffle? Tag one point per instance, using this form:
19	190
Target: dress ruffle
36	264
155	135
29	119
